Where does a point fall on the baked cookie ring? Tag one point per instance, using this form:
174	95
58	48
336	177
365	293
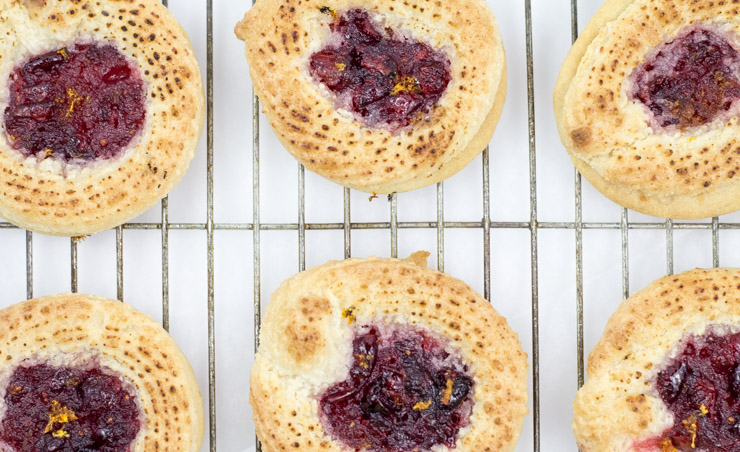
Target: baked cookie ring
665	375
386	355
647	106
103	108
88	373
380	96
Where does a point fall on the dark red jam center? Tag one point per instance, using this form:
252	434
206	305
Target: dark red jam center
701	387
83	102
404	393
690	81
64	409
386	79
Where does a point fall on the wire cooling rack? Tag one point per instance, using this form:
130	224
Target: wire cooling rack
482	229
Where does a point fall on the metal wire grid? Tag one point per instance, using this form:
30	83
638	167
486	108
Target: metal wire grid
392	225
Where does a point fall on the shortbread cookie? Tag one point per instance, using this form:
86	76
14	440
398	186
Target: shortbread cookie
665	375
102	111
386	355
379	96
82	373
647	105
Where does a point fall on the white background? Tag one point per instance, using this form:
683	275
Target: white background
511	270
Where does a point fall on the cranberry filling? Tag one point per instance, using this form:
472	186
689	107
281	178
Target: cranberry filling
382	77
701	387
404	392
690	81
65	409
85	102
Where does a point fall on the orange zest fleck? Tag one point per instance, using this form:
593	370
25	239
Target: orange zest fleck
691	427
421	406
60	434
406	84
349	314
364	360
666	445
447	392
327	10
59	414
74	98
